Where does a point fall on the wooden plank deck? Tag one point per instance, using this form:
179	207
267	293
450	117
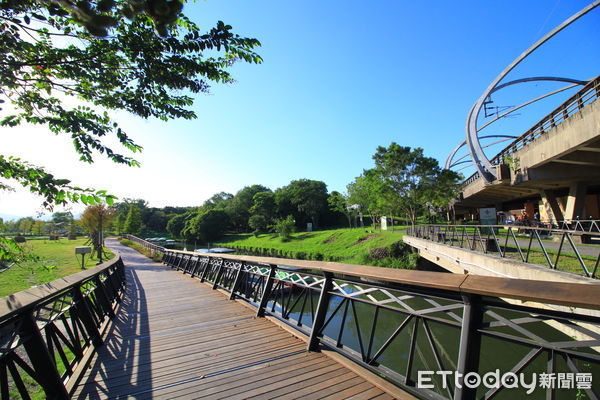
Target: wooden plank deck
174	337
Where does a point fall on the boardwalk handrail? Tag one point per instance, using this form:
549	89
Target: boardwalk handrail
48	332
501	240
398	322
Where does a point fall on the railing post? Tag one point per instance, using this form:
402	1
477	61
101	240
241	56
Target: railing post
102	297
313	341
236	282
186	263
205	270
266	292
195	267
85	315
180	262
40	358
218	274
470	345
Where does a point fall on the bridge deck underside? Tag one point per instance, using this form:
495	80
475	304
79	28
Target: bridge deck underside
174	337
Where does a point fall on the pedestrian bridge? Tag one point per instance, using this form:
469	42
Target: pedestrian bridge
227	326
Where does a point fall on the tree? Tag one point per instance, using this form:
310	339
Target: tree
307	196
208	225
146	64
238	208
218	200
285	227
177	223
133	222
94	220
118	223
339	203
413	178
263	210
367	191
259	223
26	225
38	227
60	221
155	220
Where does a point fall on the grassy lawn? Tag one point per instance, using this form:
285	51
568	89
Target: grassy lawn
57	253
341	245
154	256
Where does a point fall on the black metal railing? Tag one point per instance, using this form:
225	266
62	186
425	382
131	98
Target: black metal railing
581	225
400	324
554	248
144	243
587	95
48	332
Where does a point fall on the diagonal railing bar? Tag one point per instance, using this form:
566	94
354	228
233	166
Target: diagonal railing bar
525	361
537	236
436	355
358	333
411	352
303	306
338	342
389	340
502	253
372	334
560	246
533	337
514	237
587	273
574	369
333	313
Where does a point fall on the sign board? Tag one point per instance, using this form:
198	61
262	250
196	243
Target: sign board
83	250
383	223
309	227
487	216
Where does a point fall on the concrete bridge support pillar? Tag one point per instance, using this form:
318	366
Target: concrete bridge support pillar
551	206
576	201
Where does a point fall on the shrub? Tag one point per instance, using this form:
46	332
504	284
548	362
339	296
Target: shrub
20	239
285	227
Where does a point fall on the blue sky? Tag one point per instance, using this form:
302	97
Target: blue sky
339	78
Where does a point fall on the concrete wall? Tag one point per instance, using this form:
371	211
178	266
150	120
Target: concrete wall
579	129
461	261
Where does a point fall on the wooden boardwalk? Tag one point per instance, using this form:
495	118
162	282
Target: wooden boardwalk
174	337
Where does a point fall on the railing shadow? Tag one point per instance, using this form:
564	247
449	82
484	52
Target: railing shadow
118	367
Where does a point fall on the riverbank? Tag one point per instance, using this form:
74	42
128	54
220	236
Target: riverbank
354	246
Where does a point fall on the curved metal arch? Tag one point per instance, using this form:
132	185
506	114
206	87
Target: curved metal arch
483	164
449	160
539	78
464	142
487	145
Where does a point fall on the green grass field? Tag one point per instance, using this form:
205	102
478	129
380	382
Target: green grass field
341	245
57	253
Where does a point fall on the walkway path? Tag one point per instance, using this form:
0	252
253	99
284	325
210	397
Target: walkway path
174	337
